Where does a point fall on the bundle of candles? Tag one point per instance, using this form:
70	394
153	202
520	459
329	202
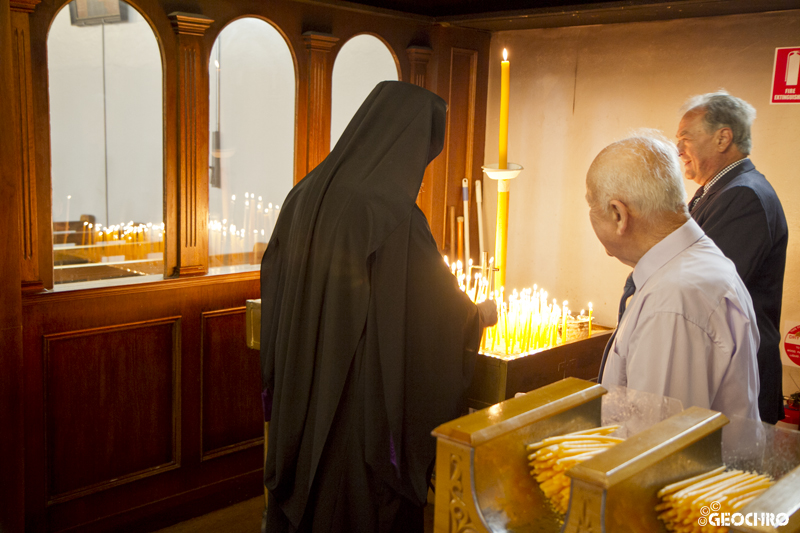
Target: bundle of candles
526	322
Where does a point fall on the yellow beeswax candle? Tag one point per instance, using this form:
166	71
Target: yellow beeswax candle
504	81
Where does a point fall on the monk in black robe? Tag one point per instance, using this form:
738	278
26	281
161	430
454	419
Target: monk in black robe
367	343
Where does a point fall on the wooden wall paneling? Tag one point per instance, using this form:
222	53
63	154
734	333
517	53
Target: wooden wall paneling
112	406
191	203
23	93
104	315
419	57
318	106
460	141
12	451
231	409
459	69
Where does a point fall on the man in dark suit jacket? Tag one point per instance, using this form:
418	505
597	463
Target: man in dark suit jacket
738	208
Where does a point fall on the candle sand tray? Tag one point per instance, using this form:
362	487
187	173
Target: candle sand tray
484	484
499	378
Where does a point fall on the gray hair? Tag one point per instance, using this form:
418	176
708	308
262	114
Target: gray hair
642	171
725	111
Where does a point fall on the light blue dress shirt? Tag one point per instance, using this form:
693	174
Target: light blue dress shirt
689	331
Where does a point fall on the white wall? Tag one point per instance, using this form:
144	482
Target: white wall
575	90
133	111
362	63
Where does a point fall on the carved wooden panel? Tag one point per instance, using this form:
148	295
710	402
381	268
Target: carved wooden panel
23	91
319	96
112	406
231	390
461	128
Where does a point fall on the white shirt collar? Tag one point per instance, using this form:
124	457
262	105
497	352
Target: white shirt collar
665	250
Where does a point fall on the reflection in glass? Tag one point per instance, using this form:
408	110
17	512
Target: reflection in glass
363	62
251	156
106	144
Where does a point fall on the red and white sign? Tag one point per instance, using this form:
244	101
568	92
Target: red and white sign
785	74
791	345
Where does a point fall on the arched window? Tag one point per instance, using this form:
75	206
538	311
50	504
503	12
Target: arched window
363	62
106	142
251	149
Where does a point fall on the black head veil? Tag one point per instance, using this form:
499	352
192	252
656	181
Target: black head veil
315	276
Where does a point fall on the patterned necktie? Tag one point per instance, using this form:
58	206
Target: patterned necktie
630	288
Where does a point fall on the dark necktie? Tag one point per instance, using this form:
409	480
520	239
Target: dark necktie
630	288
696	198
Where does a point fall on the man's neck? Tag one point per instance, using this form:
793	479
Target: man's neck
726	158
651	233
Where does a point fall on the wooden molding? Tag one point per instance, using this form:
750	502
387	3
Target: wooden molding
189	23
318	131
23	93
24	6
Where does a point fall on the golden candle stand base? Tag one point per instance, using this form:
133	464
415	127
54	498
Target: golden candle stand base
483	483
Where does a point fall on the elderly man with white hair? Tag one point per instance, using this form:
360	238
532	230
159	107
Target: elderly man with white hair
739	210
688	330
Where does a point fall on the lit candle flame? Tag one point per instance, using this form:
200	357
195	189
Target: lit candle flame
505	55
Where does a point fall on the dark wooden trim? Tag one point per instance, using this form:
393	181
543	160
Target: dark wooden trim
142	288
12	442
618	12
24	6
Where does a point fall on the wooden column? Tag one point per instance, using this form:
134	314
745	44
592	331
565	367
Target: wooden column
318	111
12	451
23	128
187	203
419	57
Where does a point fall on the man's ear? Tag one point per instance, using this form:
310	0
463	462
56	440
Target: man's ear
621	216
723	138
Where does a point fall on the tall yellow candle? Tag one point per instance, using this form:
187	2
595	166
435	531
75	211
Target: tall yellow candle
504	79
501	235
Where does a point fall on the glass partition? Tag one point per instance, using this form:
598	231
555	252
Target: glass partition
106	142
251	156
363	62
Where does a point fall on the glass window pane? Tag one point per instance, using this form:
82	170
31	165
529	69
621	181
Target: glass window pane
362	63
106	145
251	156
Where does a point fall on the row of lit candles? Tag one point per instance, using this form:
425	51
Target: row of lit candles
526	323
96	233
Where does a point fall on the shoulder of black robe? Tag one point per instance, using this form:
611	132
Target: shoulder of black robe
315	285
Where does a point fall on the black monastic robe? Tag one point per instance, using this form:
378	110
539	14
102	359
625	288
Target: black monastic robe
367	343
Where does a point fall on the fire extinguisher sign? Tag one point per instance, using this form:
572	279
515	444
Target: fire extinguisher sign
791	344
785	73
